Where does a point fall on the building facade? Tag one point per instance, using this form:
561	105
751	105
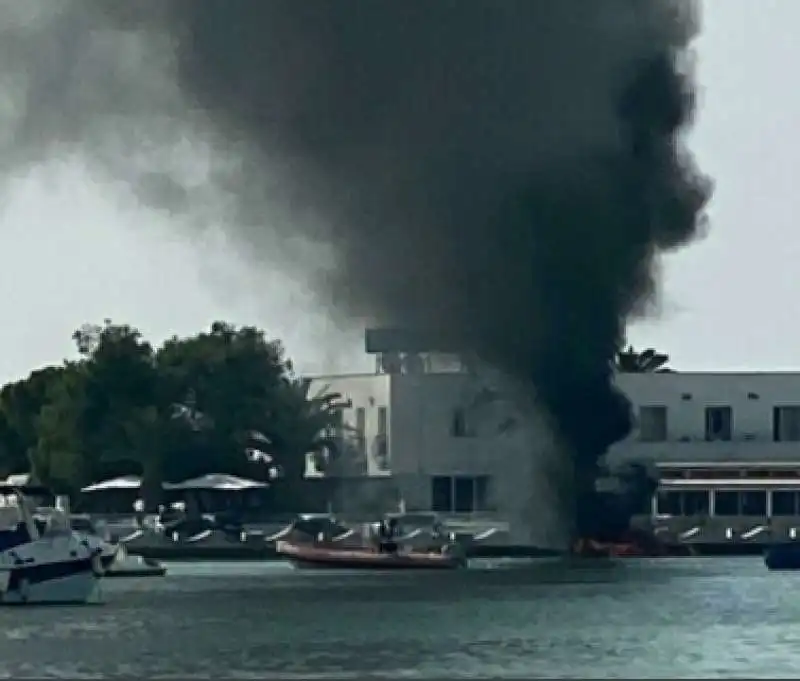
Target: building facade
712	417
427	432
449	443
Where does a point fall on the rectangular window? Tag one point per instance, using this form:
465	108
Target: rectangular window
784	503
696	502
383	421
726	503
379	451
719	424
442	494
786	424
361	430
669	503
653	423
753	502
464	492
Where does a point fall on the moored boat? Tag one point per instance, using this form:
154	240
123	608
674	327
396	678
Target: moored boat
783	556
51	564
316	556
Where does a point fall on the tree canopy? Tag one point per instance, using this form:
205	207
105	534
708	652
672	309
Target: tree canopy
225	400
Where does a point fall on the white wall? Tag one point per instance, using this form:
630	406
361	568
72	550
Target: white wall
520	457
751	396
521	461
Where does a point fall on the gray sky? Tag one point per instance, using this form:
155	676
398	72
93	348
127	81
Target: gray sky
74	250
730	301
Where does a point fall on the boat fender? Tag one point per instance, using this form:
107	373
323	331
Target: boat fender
24	589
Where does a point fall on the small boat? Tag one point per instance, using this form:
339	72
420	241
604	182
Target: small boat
783	556
123	564
315	556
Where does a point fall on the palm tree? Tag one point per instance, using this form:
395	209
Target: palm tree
648	361
304	424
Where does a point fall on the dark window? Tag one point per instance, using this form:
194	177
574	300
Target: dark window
754	502
719	424
383	420
464	493
786	424
784	503
669	503
361	429
695	503
442	494
726	503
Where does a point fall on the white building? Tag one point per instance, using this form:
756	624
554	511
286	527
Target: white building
428	434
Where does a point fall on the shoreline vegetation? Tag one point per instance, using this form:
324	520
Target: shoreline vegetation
225	400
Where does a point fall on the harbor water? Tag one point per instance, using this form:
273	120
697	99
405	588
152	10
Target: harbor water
668	618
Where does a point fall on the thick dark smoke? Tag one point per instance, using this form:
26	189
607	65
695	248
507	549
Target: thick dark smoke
502	172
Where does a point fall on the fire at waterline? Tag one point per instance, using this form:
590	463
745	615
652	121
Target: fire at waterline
505	174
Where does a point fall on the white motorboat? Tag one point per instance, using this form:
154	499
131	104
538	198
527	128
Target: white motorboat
46	562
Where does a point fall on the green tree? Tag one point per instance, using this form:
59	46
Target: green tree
58	457
122	411
169	413
222	381
21	405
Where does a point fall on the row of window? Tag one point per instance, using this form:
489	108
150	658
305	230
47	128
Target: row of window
728	472
460	493
728	503
654	423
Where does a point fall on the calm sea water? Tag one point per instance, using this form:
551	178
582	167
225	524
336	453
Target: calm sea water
683	618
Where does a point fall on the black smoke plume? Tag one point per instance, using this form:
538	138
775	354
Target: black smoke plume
502	172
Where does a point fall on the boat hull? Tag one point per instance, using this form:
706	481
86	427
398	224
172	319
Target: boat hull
63	569
320	558
133	566
782	557
59	583
122	564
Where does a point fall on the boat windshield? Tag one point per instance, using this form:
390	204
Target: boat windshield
51	520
